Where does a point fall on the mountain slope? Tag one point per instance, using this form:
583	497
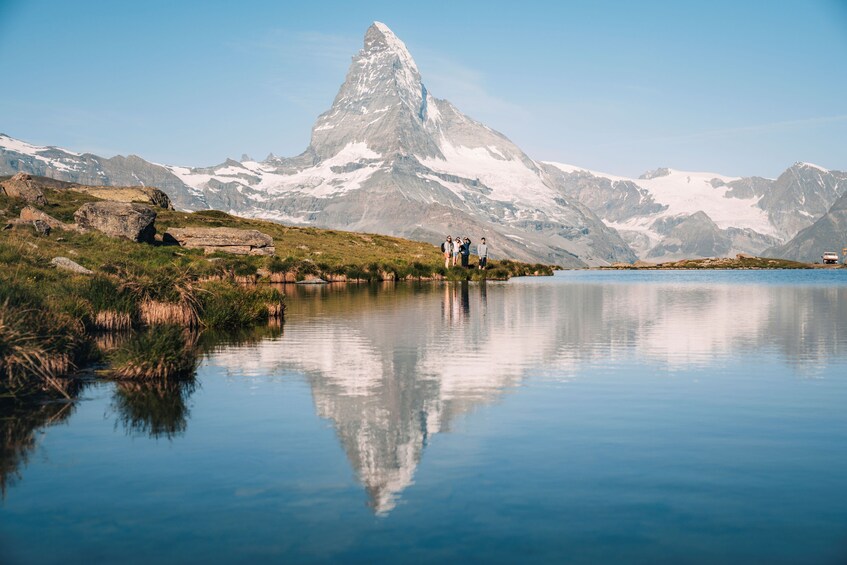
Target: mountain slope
389	157
88	169
752	212
828	233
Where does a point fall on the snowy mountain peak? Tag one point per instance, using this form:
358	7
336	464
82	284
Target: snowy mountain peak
803	165
380	38
382	103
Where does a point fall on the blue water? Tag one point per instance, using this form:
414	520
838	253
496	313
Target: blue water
590	417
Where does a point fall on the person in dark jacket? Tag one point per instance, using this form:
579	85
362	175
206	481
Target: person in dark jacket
466	252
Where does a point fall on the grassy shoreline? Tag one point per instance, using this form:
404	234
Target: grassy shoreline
161	296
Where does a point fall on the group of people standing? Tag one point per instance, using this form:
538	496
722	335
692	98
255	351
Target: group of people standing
459	250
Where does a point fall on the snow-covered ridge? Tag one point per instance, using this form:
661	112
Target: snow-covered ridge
12	144
396	45
811	166
328	178
685	193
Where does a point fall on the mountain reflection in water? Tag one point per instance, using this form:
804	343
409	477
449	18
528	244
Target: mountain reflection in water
392	366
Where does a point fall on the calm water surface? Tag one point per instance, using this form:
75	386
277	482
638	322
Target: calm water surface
591	417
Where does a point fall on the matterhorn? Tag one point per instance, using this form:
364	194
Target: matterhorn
390	158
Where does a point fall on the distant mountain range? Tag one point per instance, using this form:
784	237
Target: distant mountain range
667	214
388	157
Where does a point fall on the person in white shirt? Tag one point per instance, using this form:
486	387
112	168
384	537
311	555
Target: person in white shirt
457	249
447	250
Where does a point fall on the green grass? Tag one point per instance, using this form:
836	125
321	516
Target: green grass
47	316
301	251
226	306
161	353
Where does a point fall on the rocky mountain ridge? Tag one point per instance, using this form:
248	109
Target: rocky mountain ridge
722	215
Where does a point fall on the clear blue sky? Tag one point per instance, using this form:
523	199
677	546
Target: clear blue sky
742	88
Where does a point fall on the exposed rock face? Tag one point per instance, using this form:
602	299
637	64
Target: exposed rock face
22	186
66	264
228	240
829	233
141	194
135	222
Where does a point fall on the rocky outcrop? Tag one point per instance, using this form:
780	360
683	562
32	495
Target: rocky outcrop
24	187
141	194
227	240
65	264
135	222
30	214
829	233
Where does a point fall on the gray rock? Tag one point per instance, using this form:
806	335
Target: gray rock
312	280
135	222
66	264
41	227
22	186
227	240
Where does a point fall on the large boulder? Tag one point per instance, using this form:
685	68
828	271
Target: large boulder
24	187
141	194
135	222
30	214
228	240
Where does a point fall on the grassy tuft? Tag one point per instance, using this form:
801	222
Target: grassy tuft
229	306
164	352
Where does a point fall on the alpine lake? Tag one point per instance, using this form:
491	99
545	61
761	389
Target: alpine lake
590	417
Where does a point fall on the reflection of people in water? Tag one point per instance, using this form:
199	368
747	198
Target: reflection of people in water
456	304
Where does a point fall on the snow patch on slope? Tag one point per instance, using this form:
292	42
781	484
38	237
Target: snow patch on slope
320	181
685	193
25	148
509	179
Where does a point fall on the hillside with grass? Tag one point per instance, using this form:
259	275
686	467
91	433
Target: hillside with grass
165	294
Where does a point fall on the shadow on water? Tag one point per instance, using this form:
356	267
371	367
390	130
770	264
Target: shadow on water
20	421
160	409
154	409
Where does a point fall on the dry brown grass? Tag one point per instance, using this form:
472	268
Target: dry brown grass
109	341
112	321
156	313
26	352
